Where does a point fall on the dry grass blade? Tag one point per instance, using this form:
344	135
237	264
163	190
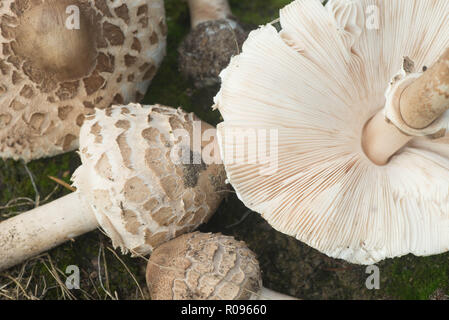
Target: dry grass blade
20	289
30	174
14	203
62	183
19	286
129	271
95	288
61	285
108	293
245	215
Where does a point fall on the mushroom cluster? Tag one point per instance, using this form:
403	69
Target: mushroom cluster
206	266
61	59
352	188
334	130
138	181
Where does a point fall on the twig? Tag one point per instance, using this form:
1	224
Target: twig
62	183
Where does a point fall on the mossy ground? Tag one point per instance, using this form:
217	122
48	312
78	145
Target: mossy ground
288	265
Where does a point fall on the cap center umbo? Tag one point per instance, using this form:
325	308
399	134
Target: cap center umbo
56	40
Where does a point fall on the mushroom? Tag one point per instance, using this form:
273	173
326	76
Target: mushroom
62	58
206	266
315	166
215	37
137	181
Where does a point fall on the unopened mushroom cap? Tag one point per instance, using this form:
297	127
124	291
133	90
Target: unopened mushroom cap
141	190
203	266
309	90
208	48
61	58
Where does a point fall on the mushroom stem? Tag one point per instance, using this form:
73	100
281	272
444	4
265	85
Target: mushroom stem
43	228
427	98
268	294
381	139
420	103
206	10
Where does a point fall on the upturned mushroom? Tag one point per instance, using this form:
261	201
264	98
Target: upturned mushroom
216	36
359	169
62	58
141	180
206	266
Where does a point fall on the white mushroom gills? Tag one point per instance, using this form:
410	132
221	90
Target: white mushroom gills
130	184
318	82
206	266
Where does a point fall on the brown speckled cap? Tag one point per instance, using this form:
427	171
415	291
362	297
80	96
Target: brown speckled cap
208	48
53	73
215	37
140	194
203	266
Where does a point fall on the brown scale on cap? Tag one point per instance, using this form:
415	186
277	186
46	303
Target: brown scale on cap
200	266
54	73
140	192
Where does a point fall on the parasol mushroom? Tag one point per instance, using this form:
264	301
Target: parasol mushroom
135	182
215	37
60	58
344	180
206	266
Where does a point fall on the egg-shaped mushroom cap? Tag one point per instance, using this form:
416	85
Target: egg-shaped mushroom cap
306	93
136	179
203	266
60	59
208	48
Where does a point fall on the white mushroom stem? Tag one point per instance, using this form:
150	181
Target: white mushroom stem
382	139
427	98
420	103
206	10
268	294
43	228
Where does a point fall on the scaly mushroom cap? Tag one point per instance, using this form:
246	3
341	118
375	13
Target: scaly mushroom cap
316	83
133	178
203	266
54	73
208	48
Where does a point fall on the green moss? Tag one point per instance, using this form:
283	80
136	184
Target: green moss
16	182
413	277
257	13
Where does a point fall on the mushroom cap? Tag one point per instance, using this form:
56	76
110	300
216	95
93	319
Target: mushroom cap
208	48
203	266
315	84
133	178
54	72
